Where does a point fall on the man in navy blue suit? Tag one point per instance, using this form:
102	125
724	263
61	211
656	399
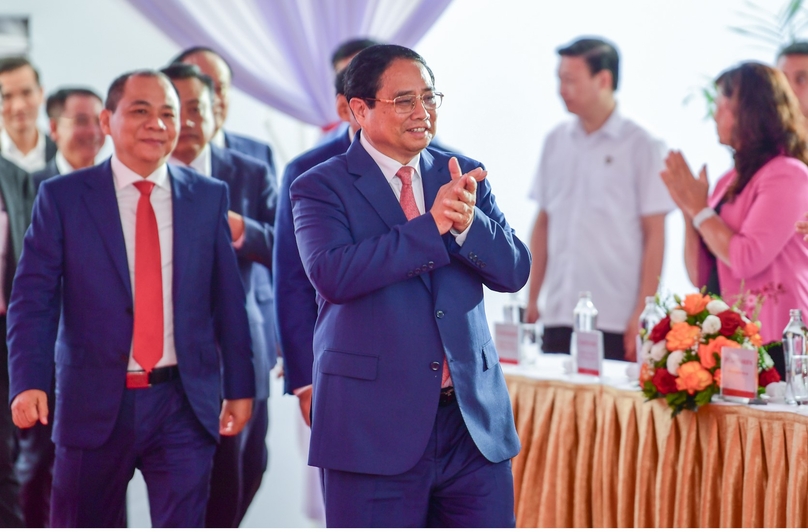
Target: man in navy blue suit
76	130
151	329
411	418
253	198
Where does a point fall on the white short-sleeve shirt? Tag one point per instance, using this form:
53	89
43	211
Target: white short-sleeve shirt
595	188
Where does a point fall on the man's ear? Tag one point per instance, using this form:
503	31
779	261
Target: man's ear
605	79
104	119
53	133
343	108
359	108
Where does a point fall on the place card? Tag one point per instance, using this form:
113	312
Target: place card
507	342
588	347
739	372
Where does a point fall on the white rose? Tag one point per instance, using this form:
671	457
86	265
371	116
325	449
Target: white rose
768	363
716	306
633	372
776	390
674	361
678	316
645	352
711	325
658	351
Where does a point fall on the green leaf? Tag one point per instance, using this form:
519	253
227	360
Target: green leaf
704	396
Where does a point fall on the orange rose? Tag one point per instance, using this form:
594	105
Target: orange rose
751	329
646	373
695	303
682	336
713	347
693	377
756	340
717	377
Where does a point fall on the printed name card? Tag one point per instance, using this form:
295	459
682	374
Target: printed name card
589	352
506	340
739	372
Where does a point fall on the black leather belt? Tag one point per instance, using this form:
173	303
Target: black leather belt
141	379
447	396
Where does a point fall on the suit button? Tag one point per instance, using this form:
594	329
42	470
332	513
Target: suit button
417	271
435	366
431	264
424	268
482	265
409	273
472	256
439	314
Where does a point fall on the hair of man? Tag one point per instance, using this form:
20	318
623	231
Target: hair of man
182	56
350	48
55	104
9	64
795	48
768	120
116	88
189	71
364	73
598	54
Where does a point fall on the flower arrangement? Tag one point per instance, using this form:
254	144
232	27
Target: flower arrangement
681	355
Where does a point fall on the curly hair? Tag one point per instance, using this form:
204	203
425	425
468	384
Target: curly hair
768	120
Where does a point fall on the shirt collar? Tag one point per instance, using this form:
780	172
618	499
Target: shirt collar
202	163
218	139
388	165
7	145
62	164
124	176
610	128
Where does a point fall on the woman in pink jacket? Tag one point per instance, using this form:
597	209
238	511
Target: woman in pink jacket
740	241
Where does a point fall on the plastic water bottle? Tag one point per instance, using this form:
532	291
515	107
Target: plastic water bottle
796	357
650	316
585	315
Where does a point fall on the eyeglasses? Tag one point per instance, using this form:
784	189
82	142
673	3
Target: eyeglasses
406	104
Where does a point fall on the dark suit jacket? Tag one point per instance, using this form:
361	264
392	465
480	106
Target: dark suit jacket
75	244
50	149
394	297
254	195
50	170
262	277
293	291
18	194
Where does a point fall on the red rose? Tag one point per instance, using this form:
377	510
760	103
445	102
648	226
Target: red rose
730	321
767	377
661	330
665	382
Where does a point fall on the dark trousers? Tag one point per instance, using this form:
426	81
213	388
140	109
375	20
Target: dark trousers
10	514
156	432
452	485
238	468
558	339
34	468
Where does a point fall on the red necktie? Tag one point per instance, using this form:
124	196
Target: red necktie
410	209
147	342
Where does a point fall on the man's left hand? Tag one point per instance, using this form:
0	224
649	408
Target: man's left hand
461	209
236	222
235	414
630	339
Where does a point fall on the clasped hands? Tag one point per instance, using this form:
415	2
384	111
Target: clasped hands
454	204
689	194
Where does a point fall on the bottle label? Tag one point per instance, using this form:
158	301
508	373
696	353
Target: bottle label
589	352
739	372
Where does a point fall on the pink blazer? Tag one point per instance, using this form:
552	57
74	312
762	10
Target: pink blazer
767	256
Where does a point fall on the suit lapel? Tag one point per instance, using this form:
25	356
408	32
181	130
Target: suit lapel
183	225
372	184
102	204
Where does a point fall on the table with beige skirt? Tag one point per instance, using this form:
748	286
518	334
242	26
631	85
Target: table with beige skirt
595	453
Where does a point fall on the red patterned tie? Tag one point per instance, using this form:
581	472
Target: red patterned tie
147	342
410	209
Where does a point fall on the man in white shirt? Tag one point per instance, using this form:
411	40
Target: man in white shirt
76	130
22	95
602	206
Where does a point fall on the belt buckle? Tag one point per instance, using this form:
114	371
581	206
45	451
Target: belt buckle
137	379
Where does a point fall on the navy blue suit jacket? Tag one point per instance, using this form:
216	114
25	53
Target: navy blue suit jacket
254	195
293	291
50	170
75	244
395	296
262	277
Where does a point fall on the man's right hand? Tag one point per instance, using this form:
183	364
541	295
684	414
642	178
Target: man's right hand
304	397
29	407
532	312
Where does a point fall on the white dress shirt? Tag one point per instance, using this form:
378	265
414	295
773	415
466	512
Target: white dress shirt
595	189
128	196
202	164
5	245
62	165
218	139
390	167
33	161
